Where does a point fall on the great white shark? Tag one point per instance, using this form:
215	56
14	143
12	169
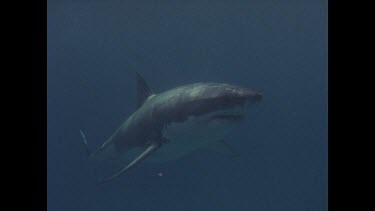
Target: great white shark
174	123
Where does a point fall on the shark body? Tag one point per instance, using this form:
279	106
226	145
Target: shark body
172	124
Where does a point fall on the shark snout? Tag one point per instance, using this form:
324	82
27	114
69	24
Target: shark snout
250	95
258	97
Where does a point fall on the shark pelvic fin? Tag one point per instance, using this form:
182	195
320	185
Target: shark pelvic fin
154	146
143	90
223	148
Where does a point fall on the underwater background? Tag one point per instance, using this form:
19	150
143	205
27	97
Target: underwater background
278	47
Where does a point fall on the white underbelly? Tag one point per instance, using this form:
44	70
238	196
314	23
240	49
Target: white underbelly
184	138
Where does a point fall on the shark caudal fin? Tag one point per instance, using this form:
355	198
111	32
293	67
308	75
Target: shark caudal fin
85	143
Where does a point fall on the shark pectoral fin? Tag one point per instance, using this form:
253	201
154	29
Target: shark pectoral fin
223	148
141	157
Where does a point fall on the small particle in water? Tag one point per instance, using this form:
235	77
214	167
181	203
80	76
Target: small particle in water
160	174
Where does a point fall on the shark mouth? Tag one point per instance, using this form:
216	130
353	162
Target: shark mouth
228	117
234	114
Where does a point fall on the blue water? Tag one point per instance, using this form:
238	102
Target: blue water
278	47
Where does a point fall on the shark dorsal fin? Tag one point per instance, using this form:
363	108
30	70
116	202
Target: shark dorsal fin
143	90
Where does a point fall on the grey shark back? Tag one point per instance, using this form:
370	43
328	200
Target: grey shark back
176	122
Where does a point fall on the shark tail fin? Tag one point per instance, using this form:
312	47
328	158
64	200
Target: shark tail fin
85	143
